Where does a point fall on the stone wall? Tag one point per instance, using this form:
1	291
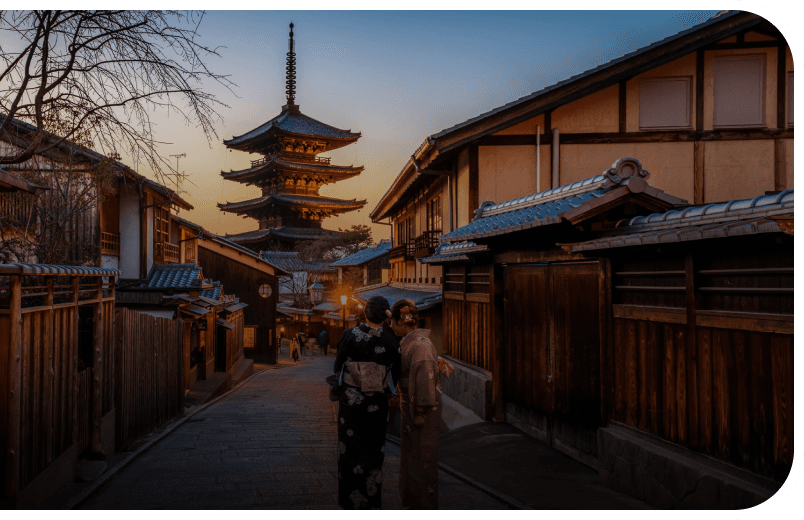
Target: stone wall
671	477
470	386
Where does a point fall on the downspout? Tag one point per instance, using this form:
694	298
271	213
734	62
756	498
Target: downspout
449	194
555	158
538	158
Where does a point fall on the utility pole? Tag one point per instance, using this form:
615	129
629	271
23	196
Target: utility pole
178	156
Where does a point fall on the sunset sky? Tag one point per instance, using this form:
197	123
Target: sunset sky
395	76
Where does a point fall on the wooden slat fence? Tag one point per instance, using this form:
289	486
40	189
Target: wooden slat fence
149	369
466	332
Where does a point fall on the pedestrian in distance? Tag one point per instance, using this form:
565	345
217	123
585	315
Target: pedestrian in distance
294	350
367	365
420	404
323	341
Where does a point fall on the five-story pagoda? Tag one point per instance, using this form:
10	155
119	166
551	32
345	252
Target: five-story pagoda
290	173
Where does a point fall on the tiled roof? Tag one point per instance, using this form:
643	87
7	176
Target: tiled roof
726	219
330	306
43	269
214	292
294	311
423	297
556	205
288	261
292	200
295	123
337	316
446	252
174	276
364	255
290	233
277	163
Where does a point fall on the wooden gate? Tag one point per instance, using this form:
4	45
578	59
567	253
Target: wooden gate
552	350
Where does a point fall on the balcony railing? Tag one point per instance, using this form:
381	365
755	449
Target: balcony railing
269	158
110	244
405	251
426	243
166	252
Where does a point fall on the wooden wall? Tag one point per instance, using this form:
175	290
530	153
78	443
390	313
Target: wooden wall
243	282
234	340
709	367
149	369
466	333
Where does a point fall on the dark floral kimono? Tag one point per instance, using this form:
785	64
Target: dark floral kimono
362	417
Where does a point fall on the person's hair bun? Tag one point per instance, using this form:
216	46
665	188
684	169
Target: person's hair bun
405	311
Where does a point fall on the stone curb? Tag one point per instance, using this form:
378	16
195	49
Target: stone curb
516	504
107	476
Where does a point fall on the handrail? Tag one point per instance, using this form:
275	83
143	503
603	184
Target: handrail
269	158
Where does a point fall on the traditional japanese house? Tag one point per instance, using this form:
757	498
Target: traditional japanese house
708	112
697	353
242	272
289	174
368	266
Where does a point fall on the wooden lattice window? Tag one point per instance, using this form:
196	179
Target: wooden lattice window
434	215
161	225
249	336
454	278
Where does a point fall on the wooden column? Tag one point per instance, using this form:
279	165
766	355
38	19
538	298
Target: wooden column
691	389
497	337
14	390
699	195
97	376
73	356
779	165
48	373
622	108
781	84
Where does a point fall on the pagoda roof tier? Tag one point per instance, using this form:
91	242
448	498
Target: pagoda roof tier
292	123
267	167
282	233
291	201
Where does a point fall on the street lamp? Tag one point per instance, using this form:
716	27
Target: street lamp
343	309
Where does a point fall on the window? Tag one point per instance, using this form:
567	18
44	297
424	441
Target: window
434	215
790	98
665	103
739	91
161	225
265	290
404	231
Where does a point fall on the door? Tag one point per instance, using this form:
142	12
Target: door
552	350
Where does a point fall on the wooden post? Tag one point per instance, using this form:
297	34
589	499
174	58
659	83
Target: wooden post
97	376
698	172
496	317
73	359
14	390
48	372
691	353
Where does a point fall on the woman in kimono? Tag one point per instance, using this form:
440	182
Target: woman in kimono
420	399
368	366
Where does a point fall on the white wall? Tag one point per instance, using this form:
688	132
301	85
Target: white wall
129	262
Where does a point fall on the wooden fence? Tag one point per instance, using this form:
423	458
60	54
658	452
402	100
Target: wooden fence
40	415
712	375
466	331
149	371
234	340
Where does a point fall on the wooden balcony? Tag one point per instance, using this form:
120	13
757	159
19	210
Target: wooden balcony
403	251
110	244
165	252
426	243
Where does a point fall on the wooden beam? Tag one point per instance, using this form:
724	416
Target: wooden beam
497	337
698	172
699	91
548	123
781	84
623	103
12	462
97	377
474	181
691	376
663	136
779	165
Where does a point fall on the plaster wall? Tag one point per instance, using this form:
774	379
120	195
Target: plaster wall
525	127
597	112
684	66
670	164
737	169
129	232
770	83
462	191
506	172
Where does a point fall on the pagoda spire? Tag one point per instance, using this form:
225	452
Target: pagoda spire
290	70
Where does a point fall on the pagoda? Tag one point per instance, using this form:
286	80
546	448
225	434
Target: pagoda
290	174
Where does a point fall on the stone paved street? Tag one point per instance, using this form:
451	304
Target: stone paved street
269	444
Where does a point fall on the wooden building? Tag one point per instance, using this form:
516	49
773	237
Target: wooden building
290	174
670	104
579	336
369	264
242	272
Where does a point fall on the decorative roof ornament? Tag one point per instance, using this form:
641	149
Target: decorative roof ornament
290	70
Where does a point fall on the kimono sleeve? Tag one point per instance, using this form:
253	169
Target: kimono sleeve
422	383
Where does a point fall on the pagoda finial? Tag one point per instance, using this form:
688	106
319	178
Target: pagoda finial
290	81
